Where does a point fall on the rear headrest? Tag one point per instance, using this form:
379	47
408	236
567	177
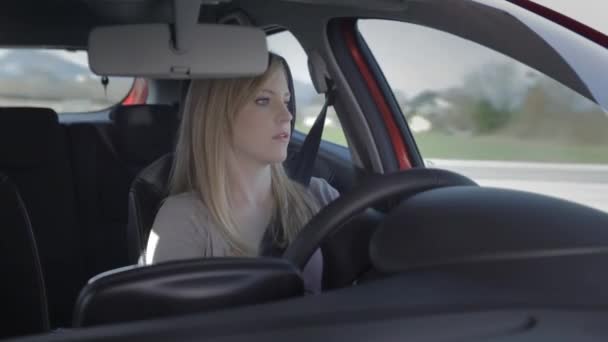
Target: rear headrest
27	136
145	132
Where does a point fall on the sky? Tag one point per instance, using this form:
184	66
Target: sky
79	57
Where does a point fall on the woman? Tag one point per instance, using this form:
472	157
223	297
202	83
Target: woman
228	186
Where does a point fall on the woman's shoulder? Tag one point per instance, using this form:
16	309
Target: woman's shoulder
182	206
322	190
182	201
179	230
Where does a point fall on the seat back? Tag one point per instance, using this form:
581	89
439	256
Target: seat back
34	155
185	287
22	292
107	157
147	193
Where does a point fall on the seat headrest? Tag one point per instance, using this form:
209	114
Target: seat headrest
144	132
27	135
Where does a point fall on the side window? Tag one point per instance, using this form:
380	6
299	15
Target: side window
308	101
58	79
487	116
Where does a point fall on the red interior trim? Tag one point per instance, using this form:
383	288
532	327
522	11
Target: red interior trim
564	21
138	93
394	134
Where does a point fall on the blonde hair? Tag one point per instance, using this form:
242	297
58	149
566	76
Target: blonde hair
200	162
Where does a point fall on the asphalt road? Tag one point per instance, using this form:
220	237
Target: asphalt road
582	183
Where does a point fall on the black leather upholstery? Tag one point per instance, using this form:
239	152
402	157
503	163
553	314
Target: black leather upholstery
107	157
148	191
143	133
34	155
184	287
102	183
22	292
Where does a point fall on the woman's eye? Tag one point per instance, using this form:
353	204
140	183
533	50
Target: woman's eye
262	101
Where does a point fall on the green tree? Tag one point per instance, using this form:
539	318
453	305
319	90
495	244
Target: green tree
489	119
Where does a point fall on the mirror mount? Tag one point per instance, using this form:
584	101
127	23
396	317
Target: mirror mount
186	18
187	13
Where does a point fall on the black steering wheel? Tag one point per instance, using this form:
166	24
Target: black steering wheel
330	218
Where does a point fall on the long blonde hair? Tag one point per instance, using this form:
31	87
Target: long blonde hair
200	160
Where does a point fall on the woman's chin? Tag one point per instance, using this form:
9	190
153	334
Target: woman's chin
278	158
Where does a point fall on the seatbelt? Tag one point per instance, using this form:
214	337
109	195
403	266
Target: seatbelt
302	166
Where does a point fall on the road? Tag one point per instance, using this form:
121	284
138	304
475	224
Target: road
586	184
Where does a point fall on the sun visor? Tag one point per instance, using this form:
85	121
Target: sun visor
149	50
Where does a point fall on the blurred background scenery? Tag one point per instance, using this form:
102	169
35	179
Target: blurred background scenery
57	79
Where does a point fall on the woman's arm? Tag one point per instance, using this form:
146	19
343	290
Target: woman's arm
313	271
322	191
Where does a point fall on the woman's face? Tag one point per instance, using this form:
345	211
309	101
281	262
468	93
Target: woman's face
262	127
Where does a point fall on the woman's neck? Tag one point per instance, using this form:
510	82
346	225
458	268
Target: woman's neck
250	183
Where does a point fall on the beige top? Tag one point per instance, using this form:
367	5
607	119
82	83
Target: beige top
183	229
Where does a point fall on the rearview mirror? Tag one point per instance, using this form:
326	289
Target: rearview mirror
213	51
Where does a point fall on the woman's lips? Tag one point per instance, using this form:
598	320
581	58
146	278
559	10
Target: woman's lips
281	136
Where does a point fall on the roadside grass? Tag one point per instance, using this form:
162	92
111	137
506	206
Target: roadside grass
499	148
434	145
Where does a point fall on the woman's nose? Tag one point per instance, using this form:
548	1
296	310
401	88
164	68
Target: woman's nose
285	114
